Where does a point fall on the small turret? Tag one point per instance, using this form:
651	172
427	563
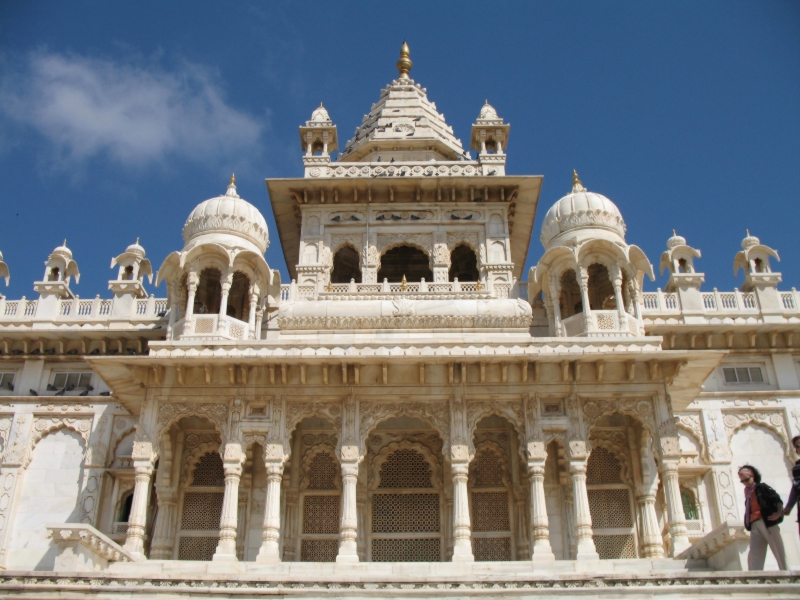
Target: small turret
679	261
754	260
4	274
489	137
318	139
129	284
59	269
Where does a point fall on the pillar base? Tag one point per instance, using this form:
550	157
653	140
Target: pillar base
463	554
679	544
347	558
268	554
224	557
587	556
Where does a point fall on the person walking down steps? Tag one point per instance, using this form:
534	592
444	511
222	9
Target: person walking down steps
794	495
763	512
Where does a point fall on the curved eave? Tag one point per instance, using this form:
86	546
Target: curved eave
525	190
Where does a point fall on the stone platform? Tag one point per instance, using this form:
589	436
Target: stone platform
561	579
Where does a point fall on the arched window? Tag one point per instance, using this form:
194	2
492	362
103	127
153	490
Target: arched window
463	264
201	509
570	302
601	292
321	501
491	512
405	261
611	506
209	292
128	273
238	297
406	511
689	506
346	266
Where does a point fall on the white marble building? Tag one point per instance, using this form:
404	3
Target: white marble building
412	411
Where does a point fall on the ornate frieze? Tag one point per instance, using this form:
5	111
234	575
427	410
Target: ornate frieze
217	413
436	413
406	322
771	420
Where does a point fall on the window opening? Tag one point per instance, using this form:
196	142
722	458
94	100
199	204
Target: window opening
405	261
570	302
406	521
743	375
238	297
201	510
71	381
463	264
321	502
689	506
209	292
7	381
491	513
346	266
611	506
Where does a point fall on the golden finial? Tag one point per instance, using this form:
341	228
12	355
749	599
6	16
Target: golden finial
233	179
330	286
479	286
404	283
575	179
404	64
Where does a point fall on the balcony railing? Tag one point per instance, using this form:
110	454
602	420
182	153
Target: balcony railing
77	309
600	323
717	302
211	327
292	292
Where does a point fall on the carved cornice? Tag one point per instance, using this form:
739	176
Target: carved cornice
405	322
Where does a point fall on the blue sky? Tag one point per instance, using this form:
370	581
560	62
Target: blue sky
116	119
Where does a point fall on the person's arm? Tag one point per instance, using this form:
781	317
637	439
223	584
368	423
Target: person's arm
778	504
791	501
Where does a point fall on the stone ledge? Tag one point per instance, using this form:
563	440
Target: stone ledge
730	585
723	548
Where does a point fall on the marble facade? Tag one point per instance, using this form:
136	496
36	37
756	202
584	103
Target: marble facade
411	411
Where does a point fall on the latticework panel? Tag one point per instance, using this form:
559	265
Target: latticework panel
610	508
322	472
615	546
602	467
492	548
321	514
490	511
408	550
201	510
405	513
319	550
204	324
197	548
488	469
209	471
606	321
405	468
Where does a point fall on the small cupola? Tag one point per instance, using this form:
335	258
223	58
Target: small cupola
754	261
59	269
318	139
133	268
678	260
489	138
4	274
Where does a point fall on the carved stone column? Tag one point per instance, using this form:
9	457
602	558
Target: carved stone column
440	258
540	530
652	547
270	551
370	261
616	282
242	516
251	315
555	293
585	549
677	519
166	523
462	531
192	280
348	528
227	280
583	283
143	468
232	465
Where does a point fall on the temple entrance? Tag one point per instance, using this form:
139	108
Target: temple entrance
405	261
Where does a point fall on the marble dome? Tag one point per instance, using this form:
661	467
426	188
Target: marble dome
320	115
136	249
581	209
488	112
227	215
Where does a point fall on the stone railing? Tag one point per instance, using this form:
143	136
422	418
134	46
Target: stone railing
723	549
293	292
406	169
716	302
80	547
211	327
600	323
77	309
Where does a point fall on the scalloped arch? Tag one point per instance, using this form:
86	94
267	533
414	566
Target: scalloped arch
494	448
389	449
309	457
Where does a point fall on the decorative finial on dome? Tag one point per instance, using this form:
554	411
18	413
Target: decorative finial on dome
404	64
137	240
233	179
577	186
674	233
232	186
747	231
65	241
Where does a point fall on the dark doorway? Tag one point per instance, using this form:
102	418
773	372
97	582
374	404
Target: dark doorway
405	260
346	266
463	264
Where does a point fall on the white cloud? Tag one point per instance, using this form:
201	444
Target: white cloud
134	113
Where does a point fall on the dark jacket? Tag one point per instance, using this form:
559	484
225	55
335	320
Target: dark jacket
770	502
794	495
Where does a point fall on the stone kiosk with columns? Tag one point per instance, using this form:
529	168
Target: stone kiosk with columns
409	416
